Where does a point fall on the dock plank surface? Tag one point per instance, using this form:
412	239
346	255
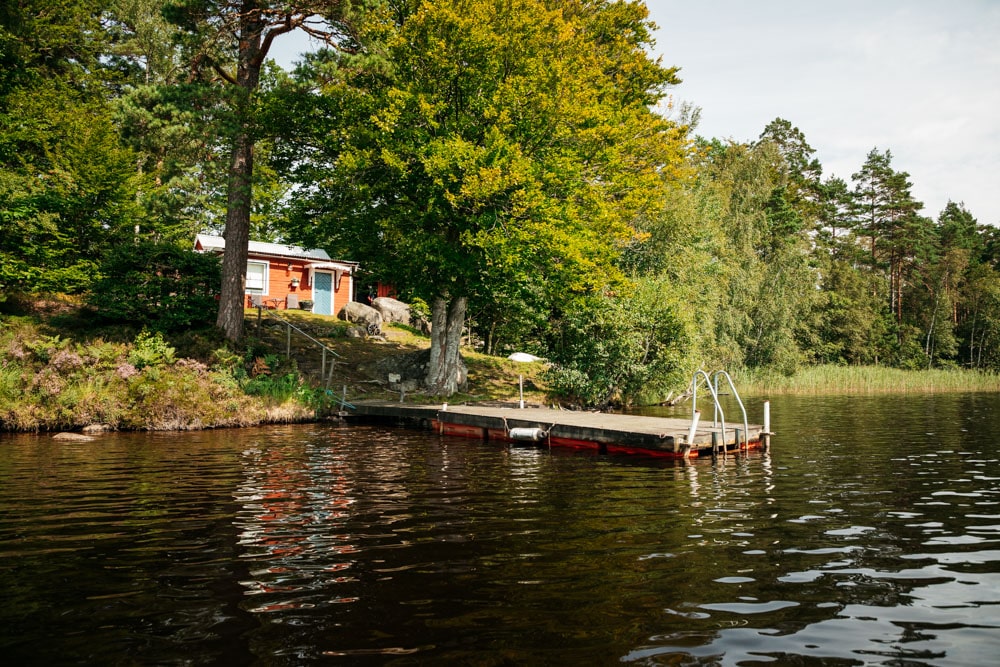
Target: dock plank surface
560	427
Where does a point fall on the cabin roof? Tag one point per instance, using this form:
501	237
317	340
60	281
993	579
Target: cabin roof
210	243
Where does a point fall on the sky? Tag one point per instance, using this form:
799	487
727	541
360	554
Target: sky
919	78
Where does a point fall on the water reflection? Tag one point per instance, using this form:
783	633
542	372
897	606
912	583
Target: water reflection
863	601
859	539
292	503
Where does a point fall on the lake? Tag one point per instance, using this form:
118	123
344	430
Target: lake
869	534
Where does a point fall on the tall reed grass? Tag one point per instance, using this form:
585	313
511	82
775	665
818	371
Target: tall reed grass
864	380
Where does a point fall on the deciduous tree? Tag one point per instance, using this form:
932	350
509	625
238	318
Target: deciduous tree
510	144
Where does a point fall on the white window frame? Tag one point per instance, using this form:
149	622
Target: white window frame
266	277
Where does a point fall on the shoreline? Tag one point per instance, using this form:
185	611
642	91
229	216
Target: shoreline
59	378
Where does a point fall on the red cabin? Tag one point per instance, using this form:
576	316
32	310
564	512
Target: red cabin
283	276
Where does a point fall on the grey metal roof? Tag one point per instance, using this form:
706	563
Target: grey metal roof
218	244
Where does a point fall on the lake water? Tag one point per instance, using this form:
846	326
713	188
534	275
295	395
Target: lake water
869	534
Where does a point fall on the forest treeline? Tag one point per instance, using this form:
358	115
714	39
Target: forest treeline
518	166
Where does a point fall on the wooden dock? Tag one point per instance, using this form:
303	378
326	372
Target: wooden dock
602	432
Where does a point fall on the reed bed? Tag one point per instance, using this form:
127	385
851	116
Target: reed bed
865	380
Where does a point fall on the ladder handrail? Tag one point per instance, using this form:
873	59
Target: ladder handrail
732	387
300	331
715	397
288	344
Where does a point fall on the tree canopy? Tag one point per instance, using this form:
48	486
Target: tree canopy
508	150
520	166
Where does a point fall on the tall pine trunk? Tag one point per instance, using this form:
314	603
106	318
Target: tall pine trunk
237	235
240	183
446	372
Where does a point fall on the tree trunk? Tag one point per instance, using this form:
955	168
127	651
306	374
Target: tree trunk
237	235
446	372
239	186
972	337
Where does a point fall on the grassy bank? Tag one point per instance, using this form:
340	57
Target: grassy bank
58	373
864	380
61	370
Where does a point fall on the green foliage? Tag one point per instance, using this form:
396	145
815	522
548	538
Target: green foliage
419	308
618	350
57	383
150	350
851	327
827	379
278	388
67	189
157	284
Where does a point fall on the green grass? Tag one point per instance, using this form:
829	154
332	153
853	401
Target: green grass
864	380
62	381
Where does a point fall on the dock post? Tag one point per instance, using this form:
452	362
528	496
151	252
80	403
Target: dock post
715	444
739	441
694	427
765	435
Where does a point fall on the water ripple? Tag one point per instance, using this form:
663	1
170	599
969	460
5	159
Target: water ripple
356	545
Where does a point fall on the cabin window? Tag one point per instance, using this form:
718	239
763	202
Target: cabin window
256	277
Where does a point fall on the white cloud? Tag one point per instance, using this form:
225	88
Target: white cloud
920	78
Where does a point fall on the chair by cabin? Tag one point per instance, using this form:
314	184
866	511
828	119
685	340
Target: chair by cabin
291	301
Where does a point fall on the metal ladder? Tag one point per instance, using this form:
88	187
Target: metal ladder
718	415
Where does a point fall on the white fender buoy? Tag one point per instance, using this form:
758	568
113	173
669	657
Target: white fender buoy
524	433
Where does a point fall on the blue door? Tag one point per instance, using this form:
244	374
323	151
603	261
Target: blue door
323	293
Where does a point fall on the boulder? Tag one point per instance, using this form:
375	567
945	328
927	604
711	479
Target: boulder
407	372
72	437
420	324
361	314
392	310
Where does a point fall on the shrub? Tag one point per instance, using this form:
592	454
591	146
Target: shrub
150	350
617	351
159	285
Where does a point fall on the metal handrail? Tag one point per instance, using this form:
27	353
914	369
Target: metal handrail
732	387
715	397
288	341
